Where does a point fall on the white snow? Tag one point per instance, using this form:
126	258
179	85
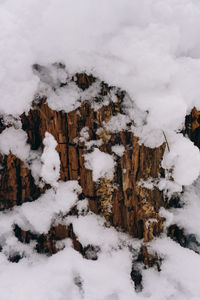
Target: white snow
118	149
178	279
183	159
57	277
117	123
50	170
187	217
108	277
102	164
14	141
40	214
65	98
151	49
91	231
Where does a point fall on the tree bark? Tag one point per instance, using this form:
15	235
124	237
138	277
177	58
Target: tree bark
123	201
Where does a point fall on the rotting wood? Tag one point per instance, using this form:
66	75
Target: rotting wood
192	126
137	163
123	201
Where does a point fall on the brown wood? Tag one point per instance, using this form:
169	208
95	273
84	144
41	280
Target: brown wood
123	201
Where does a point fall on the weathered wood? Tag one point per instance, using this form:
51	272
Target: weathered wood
123	201
16	183
192	126
132	204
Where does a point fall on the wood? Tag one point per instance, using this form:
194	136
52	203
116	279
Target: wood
123	201
192	126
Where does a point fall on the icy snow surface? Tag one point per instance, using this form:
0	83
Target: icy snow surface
151	49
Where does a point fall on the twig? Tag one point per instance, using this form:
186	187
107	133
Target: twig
166	141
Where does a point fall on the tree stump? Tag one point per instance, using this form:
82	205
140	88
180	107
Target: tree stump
123	201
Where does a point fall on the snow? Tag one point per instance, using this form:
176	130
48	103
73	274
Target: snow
118	149
149	48
117	123
153	55
14	141
179	267
91	231
183	159
102	164
67	272
190	211
39	277
40	214
50	171
39	284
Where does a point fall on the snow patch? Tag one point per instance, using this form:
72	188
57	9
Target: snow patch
40	214
118	149
102	164
183	160
50	170
14	141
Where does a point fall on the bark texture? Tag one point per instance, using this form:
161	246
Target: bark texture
123	201
192	126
